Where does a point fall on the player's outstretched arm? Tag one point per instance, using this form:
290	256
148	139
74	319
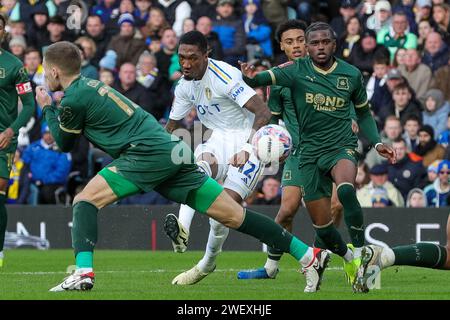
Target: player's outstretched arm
171	125
264	78
369	129
64	140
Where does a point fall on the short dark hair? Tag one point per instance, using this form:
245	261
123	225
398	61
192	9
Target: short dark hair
414	117
398	140
289	25
29	50
195	38
4	19
66	56
403	86
320	26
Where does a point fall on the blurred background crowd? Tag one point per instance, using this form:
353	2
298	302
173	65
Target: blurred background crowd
400	46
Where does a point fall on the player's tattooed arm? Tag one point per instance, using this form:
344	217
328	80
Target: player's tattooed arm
262	117
171	125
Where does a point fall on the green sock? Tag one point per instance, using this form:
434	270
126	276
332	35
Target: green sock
274	254
271	233
84	259
319	243
3	220
353	214
331	239
84	231
427	255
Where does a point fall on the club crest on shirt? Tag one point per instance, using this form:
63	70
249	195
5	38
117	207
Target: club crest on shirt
208	93
342	83
287	175
2	73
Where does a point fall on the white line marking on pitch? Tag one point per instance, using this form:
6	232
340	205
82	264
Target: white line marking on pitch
42	273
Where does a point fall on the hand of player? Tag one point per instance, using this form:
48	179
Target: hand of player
42	97
246	69
6	137
355	127
387	152
239	159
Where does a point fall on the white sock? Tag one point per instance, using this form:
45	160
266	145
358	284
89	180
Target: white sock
185	216
387	257
218	233
348	255
307	258
357	252
271	266
84	270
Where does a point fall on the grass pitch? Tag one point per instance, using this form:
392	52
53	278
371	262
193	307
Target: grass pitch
146	275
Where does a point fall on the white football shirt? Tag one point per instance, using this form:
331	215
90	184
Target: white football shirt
219	98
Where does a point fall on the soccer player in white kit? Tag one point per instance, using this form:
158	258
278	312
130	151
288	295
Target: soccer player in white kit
229	107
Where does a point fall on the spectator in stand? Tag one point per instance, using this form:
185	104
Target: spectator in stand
80	167
377	90
148	75
381	17
156	24
438	192
204	8
425	29
436	52
204	25
397	35
404	104
432	171
231	32
347	10
275	11
142	12
407	7
56	28
27	8
364	53
362	175
411	132
107	77
428	148
188	25
257	30
441	17
380	198
48	166
392	131
87	48
130	88
109	61
270	192
176	11
423	11
416	73
441	80
416	199
106	9
379	179
399	58
444	136
17	46
113	26
169	43
95	29
349	38
406	174
37	30
15	185
127	47
33	66
18	28
436	111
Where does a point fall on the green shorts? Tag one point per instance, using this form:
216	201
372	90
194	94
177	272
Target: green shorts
6	161
138	171
315	178
291	172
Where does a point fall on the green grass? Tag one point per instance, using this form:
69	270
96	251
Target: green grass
28	274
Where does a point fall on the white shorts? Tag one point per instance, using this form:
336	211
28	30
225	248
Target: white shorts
241	180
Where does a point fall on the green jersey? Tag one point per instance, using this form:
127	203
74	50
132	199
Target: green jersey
14	83
281	104
110	120
324	100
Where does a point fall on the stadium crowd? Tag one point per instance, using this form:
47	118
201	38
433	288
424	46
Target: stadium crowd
400	46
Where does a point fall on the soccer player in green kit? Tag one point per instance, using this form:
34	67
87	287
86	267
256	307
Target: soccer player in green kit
323	89
14	84
146	157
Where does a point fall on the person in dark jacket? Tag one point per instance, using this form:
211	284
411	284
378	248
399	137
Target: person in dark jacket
204	8
95	29
37	30
231	33
204	25
406	174
436	52
347	10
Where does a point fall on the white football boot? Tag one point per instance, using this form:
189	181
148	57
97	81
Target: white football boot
176	232
191	276
76	281
314	271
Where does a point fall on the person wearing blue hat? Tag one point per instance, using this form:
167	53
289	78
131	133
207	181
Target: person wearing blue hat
437	192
